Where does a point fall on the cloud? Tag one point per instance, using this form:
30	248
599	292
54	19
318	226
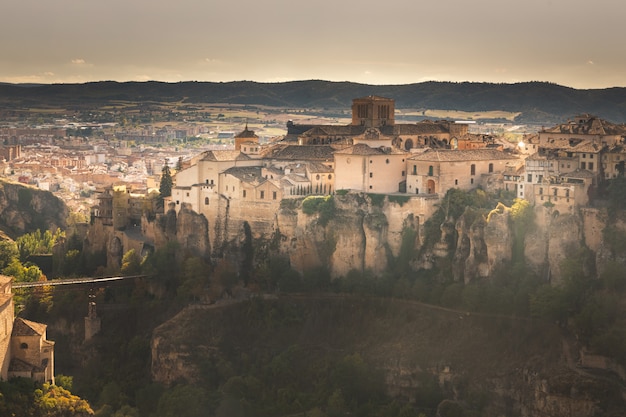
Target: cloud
48	74
590	62
78	61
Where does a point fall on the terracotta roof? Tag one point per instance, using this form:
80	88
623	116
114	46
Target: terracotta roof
450	155
226	155
23	327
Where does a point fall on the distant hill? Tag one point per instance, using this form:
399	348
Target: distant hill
539	102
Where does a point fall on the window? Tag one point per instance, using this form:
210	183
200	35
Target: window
330	177
403	173
430	170
472	181
456	182
387	161
590	156
262	195
24	346
317	177
530	178
590	166
583	165
206	201
187	194
414	169
541	191
490	168
554	192
244	193
584	155
473	169
273	195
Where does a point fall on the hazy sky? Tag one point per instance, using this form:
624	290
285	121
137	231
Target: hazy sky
576	43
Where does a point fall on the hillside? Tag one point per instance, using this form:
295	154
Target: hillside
537	101
491	365
24	209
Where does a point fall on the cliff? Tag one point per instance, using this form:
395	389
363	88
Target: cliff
24	209
365	232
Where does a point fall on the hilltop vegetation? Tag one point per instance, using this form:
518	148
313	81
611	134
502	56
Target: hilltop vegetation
537	102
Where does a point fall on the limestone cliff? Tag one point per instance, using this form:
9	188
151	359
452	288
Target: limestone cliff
24	209
365	231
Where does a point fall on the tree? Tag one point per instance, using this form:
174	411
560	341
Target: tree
166	184
179	164
131	263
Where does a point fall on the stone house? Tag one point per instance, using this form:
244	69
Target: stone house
371	170
24	348
436	171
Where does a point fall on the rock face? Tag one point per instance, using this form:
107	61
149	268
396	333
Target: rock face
24	209
364	232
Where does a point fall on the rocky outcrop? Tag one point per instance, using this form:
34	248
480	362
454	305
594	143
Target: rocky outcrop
24	209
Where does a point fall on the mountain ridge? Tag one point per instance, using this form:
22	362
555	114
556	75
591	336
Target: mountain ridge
538	102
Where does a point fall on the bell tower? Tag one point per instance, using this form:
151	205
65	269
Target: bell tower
373	111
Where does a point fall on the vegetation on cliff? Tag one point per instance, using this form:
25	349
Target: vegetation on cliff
257	360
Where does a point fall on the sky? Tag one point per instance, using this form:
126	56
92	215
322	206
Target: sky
575	43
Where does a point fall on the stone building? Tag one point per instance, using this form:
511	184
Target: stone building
24	348
376	114
371	170
436	171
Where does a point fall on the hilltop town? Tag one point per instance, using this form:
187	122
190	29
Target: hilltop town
247	186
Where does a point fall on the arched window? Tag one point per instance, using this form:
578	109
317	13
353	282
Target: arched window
24	346
206	201
490	168
473	169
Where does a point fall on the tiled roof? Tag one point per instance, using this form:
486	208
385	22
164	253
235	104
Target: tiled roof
246	174
426	127
318	167
588	125
23	327
225	155
449	155
304	152
361	149
588	147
